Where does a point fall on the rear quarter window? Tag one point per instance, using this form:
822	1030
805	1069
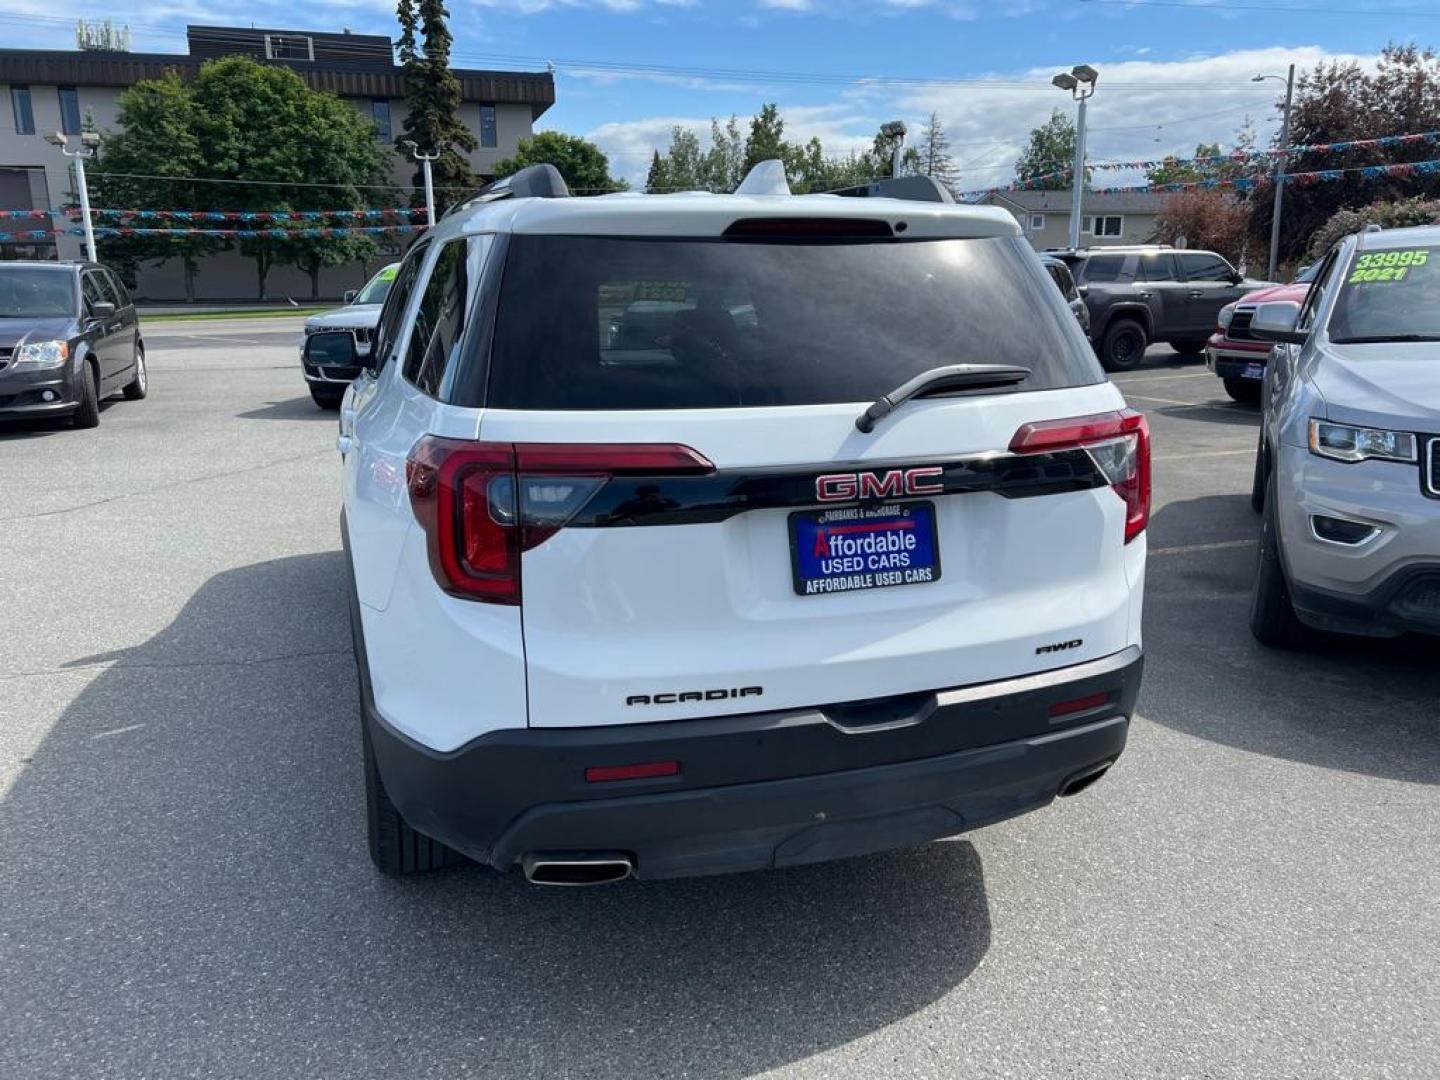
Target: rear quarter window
607	323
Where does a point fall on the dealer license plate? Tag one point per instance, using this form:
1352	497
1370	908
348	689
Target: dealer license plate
849	548
1253	371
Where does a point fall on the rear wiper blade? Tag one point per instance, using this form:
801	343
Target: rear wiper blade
937	380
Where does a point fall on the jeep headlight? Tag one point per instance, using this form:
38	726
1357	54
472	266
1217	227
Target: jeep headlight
40	354
1345	442
1226	314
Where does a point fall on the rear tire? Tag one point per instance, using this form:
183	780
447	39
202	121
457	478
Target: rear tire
1272	615
88	414
1245	391
140	385
1188	348
325	397
396	848
1123	346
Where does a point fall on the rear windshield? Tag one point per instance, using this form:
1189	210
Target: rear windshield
603	323
32	293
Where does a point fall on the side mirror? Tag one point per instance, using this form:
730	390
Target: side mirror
102	309
1276	320
334	351
350	295
1236	277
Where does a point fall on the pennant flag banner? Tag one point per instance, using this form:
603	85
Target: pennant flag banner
31	215
106	231
256	215
1299	179
29	235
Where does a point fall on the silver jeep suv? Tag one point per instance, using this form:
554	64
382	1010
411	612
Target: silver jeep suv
1347	472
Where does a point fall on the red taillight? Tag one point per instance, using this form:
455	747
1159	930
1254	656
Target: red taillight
484	503
598	774
1118	441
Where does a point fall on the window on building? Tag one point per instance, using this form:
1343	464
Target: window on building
380	110
24	110
488	134
1106	225
1037	222
289	47
69	110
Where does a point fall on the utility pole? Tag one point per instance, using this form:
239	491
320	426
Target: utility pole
1080	81
425	159
89	145
1281	166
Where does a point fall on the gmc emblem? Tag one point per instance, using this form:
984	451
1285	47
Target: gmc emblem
848	486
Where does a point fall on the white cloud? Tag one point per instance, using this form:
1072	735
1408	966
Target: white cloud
1144	109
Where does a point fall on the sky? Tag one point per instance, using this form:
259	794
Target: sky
1173	73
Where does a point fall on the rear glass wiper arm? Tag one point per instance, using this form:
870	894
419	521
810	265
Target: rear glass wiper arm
938	380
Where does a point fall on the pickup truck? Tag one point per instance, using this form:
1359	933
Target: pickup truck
1140	295
1237	355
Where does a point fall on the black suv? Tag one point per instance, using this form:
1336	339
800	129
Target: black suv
68	338
1140	295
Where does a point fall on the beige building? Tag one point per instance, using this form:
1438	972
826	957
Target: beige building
48	91
1044	216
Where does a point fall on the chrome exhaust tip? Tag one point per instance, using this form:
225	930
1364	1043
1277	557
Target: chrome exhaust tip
576	868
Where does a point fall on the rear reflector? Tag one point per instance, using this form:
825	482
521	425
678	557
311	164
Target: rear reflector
599	774
1118	442
1078	705
482	504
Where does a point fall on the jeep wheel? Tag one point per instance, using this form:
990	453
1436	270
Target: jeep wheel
1123	346
1272	616
1246	391
327	397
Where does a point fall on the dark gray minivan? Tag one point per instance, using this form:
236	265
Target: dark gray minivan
69	337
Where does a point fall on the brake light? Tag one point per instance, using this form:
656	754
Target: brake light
482	504
600	774
1119	444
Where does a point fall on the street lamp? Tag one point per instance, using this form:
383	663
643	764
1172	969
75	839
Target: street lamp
89	146
1280	165
896	130
1079	82
425	159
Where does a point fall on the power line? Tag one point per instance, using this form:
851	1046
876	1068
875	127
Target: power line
1306	9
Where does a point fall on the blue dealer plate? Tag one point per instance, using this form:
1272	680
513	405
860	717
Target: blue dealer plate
863	547
1253	371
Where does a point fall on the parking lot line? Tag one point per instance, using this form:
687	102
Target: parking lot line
1187	549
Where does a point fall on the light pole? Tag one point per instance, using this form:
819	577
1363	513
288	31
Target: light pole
425	160
89	144
1080	81
896	130
1280	166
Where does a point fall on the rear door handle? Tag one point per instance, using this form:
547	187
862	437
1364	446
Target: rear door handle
1196	294
1146	295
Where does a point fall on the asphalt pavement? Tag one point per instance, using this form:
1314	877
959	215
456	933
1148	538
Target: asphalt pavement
1252	892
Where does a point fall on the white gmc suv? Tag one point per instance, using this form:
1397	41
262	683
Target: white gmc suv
699	533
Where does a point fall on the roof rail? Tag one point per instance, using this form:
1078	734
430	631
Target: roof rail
913	188
532	182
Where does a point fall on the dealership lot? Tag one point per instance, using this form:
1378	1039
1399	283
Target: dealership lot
184	888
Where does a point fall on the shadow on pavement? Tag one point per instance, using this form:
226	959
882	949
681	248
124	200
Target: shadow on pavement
298	408
1359	704
186	892
1219	411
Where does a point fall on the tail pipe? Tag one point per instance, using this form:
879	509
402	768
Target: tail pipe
1078	782
576	867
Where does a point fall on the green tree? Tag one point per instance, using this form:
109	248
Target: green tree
299	148
1050	150
723	165
432	97
583	164
767	137
156	138
658	178
934	151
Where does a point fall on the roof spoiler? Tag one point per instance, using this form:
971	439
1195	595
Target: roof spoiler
532	182
913	188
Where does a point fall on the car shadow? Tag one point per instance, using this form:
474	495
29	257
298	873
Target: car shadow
1363	705
297	408
50	425
186	887
1220	411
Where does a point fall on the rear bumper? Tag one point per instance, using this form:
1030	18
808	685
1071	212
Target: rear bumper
768	789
